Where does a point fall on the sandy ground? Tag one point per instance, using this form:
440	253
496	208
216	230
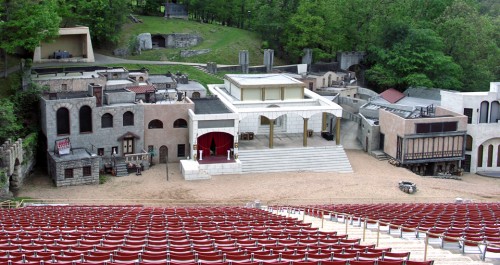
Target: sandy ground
372	181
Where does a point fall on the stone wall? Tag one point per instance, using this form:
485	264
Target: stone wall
57	171
16	164
191	53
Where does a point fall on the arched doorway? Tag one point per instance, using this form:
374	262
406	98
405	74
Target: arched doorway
215	144
163	154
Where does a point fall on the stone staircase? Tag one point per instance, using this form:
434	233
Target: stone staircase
414	245
121	169
204	70
315	159
380	155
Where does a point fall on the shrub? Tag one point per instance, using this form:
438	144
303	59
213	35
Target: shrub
103	179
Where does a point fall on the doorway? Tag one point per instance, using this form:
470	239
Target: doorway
128	146
163	154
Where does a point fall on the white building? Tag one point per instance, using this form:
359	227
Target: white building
253	104
483	128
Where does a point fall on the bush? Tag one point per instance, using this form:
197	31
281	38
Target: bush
103	179
264	45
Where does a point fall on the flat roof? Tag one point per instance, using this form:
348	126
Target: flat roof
75	154
160	79
211	105
259	80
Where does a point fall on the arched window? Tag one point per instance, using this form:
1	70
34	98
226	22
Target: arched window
128	119
180	123
195	95
85	119
155	124
480	156
495	112
62	117
489	162
107	121
483	113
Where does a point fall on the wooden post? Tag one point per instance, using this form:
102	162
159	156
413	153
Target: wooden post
322	218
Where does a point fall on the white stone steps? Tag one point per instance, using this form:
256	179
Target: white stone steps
317	159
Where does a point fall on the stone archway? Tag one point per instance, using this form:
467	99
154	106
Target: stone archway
163	159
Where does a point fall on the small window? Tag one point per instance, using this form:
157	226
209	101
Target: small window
128	119
87	171
468	112
107	121
155	124
114	150
68	173
195	95
181	150
151	148
64	87
180	123
100	151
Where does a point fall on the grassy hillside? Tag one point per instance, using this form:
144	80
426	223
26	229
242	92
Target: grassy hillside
224	42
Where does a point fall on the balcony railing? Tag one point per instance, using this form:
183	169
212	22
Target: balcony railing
137	158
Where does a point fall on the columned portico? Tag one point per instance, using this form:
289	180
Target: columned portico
305	132
271	132
323	122
337	127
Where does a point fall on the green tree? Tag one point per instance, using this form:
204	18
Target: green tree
413	59
26	23
304	30
472	40
9	125
104	18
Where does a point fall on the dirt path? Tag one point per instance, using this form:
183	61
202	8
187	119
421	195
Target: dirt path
372	181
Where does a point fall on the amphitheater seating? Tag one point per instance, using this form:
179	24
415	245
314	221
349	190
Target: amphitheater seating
471	227
139	235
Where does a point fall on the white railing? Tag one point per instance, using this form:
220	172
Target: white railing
138	157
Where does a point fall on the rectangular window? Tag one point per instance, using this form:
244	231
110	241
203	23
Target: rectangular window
87	171
64	87
114	150
436	127
468	112
68	173
100	151
181	150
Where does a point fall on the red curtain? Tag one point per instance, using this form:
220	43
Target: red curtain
223	142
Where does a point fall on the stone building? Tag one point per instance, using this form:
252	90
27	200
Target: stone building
109	125
482	109
426	142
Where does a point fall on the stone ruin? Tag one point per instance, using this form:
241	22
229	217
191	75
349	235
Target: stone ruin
11	159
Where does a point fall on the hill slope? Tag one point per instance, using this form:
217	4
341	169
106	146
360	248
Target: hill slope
224	42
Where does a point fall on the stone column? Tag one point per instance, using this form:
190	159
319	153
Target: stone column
305	132
244	61
323	122
271	133
337	126
268	60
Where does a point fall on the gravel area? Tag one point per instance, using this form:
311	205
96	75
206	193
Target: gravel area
372	181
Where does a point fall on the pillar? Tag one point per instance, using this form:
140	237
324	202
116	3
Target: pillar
271	132
305	132
323	122
337	136
244	61
268	60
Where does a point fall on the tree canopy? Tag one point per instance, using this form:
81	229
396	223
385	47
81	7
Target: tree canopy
446	43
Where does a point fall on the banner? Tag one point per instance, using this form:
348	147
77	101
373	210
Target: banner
63	146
